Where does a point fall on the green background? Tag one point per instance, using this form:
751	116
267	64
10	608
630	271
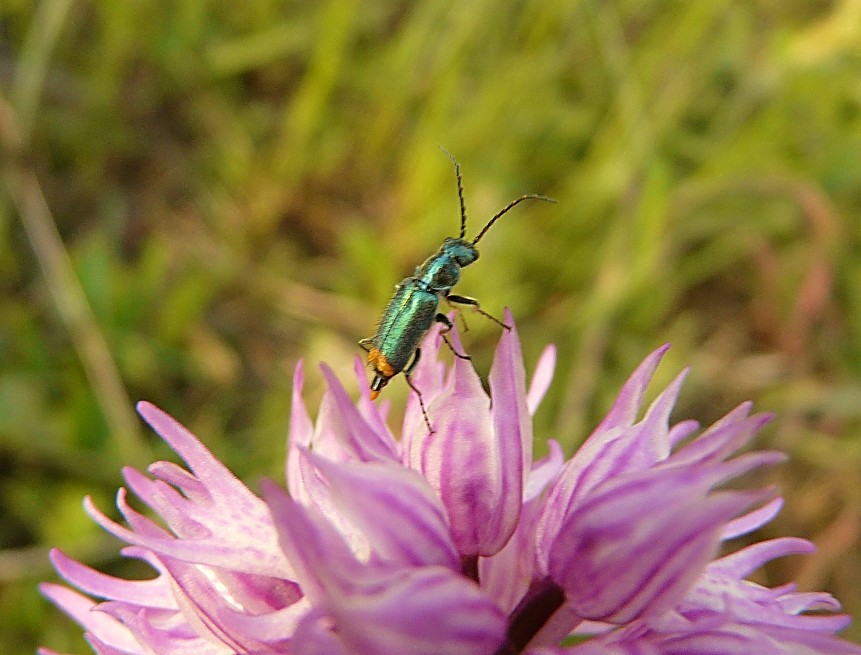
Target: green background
195	194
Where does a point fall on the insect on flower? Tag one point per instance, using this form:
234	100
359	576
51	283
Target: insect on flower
413	309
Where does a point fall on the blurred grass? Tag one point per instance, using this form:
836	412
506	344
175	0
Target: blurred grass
194	195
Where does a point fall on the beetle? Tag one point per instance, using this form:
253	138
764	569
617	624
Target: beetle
412	311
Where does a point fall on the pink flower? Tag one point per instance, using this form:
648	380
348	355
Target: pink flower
455	541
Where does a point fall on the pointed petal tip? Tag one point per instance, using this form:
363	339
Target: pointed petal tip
657	354
162	423
359	372
333	383
764	418
646	369
630	397
542	377
653	359
674	388
271	489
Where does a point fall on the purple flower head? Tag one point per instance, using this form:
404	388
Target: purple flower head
455	541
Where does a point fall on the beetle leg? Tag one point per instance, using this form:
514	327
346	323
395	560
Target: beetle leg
460	314
442	318
366	344
408	371
466	300
410	368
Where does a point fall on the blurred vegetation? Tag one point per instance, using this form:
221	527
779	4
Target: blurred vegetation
193	195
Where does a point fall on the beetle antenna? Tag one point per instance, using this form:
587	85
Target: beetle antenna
459	192
509	206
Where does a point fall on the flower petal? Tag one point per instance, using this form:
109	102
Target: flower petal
301	432
373	413
86	613
395	508
165	633
743	562
721	439
630	398
463	463
752	520
740	639
512	427
360	438
315	636
237	525
244	612
423	611
544	471
428	377
146	593
319	554
541	378
380	610
610	453
637	546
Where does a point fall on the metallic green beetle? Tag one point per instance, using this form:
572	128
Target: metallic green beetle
413	309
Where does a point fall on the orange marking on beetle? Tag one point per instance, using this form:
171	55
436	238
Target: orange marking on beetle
381	365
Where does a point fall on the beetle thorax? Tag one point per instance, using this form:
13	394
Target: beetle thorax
442	271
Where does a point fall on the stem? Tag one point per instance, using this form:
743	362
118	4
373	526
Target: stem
469	567
531	614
